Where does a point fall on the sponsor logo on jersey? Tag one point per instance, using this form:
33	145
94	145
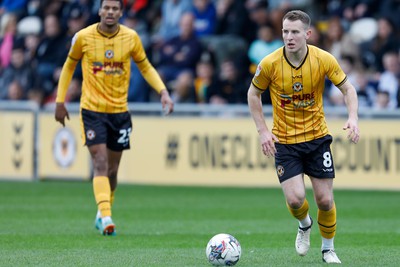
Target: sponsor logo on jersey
298	100
109	68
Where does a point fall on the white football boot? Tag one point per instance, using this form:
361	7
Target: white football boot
302	243
329	256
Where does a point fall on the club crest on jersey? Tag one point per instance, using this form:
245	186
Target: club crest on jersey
280	170
109	54
90	134
297	87
258	70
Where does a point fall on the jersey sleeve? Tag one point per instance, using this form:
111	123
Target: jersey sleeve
74	55
138	54
145	67
76	50
262	77
333	70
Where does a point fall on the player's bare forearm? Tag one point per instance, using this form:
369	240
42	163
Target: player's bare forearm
255	106
351	100
267	138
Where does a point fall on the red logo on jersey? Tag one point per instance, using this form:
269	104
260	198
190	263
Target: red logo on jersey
299	101
109	68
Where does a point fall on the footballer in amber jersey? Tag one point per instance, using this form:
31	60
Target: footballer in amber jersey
105	50
106	63
297	98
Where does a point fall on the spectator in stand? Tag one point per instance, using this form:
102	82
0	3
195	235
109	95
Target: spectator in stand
339	43
366	93
171	13
315	37
382	100
386	40
183	90
33	8
389	79
31	42
36	95
206	78
258	17
398	80
13	6
135	6
51	52
228	41
357	9
18	70
232	17
51	7
264	45
79	11
232	85
29	28
390	9
205	16
181	53
7	34
76	20
15	92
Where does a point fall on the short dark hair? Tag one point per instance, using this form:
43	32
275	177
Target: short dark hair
121	3
298	15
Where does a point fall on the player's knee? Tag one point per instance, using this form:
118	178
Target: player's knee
112	172
100	164
324	202
294	202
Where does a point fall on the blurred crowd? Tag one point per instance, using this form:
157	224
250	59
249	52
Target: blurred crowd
206	51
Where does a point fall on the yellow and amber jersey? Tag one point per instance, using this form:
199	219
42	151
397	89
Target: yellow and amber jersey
297	92
106	61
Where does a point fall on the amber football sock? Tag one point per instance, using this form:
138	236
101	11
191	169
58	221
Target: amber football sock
112	197
102	193
301	214
327	222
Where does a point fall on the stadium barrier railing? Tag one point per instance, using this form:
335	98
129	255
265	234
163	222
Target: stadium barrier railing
199	144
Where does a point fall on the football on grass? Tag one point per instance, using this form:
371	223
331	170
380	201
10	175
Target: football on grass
223	250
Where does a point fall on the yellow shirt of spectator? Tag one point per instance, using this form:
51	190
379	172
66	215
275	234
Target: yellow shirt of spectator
298	98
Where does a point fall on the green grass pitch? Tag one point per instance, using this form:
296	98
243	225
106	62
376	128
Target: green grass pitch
52	224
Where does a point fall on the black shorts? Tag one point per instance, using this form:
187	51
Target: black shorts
314	158
112	129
